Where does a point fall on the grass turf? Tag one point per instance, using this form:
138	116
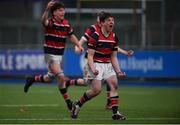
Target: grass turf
44	104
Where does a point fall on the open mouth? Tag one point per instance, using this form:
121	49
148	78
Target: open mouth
111	26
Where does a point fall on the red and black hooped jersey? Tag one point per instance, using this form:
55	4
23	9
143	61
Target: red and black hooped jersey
88	33
90	30
103	46
55	36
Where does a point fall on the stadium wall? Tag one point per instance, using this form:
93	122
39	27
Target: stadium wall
144	63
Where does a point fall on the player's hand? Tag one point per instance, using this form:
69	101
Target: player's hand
77	50
121	74
50	4
81	49
95	72
130	53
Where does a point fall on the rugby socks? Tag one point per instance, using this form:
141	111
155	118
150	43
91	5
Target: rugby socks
83	99
71	82
39	78
66	97
114	104
108	94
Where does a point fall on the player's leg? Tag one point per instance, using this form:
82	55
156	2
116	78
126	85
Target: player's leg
113	84
89	94
111	79
48	78
54	62
59	75
95	89
77	82
83	81
80	81
108	104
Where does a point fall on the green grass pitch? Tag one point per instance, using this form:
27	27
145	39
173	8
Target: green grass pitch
44	105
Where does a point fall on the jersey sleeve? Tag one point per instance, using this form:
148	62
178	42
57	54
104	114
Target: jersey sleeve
70	30
50	22
116	43
89	31
92	43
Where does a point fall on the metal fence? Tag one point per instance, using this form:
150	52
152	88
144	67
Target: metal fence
20	26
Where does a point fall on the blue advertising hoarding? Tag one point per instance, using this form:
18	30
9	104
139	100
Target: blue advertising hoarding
152	64
142	64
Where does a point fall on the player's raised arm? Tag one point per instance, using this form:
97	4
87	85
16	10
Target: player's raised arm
45	16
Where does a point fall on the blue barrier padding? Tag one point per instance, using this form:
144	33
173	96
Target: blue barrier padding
142	64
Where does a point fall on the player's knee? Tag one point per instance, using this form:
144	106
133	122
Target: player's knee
96	91
60	76
48	78
61	79
81	81
114	84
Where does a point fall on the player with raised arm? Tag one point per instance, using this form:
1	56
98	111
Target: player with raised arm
57	29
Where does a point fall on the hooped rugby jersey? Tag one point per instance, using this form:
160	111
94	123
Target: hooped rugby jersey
88	33
55	36
103	46
90	30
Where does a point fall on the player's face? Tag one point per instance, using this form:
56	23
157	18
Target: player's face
109	24
59	13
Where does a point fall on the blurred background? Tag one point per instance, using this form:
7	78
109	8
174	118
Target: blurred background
149	27
150	93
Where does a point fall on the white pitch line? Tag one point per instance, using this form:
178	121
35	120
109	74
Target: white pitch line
32	105
60	119
168	118
34	119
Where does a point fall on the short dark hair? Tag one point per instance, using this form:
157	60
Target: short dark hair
105	16
100	14
56	6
